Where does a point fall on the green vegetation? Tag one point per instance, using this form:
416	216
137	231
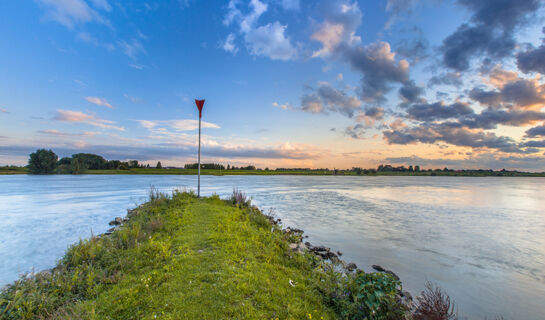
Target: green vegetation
86	163
182	257
42	162
13	170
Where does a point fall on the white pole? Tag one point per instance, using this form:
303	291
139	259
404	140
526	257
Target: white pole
199	168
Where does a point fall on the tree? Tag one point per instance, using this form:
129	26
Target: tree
133	163
416	168
76	166
42	162
91	161
159	166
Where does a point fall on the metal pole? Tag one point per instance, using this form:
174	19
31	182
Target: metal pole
199	168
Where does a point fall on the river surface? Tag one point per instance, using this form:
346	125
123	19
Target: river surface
481	239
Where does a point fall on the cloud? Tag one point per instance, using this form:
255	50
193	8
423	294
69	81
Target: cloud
2	110
448	79
397	7
438	111
267	40
375	61
536	131
290	4
489	119
131	48
410	92
533	59
377	64
327	98
72	12
285	106
342	20
102	4
355	132
520	93
490	32
452	133
229	44
178	125
270	41
172	151
99	102
80	117
413	49
54	132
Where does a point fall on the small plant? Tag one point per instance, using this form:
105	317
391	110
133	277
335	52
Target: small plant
371	296
434	304
239	198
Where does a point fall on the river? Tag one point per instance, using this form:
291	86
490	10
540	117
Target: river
481	238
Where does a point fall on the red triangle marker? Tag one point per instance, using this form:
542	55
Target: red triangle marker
200	104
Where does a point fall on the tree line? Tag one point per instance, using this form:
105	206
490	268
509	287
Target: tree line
47	162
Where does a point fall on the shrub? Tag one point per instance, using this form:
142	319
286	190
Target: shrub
239	198
363	295
434	304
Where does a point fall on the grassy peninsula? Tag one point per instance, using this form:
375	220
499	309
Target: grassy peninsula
183	257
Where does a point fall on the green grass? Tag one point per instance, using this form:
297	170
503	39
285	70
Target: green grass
177	258
13	170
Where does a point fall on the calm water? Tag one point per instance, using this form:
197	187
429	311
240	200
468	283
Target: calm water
482	239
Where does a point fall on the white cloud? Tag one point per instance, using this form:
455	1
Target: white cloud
136	66
267	40
80	117
71	12
99	102
290	4
178	125
285	106
69	134
102	4
2	110
340	27
229	44
131	48
270	41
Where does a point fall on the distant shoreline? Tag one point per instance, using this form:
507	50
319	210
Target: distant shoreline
218	172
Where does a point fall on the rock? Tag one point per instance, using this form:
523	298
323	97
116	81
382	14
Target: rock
381	269
351	266
117	221
130	212
308	245
339	253
320	249
378	268
293	246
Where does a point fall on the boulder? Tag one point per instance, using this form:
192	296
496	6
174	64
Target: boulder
117	221
381	269
351	266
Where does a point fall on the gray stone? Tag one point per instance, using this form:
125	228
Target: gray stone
351	266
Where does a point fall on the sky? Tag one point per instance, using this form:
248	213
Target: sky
287	83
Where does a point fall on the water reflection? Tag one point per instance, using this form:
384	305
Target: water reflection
483	239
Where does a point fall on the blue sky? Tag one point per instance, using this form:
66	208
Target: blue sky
287	83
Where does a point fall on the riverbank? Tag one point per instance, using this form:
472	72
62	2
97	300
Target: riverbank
217	172
184	257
